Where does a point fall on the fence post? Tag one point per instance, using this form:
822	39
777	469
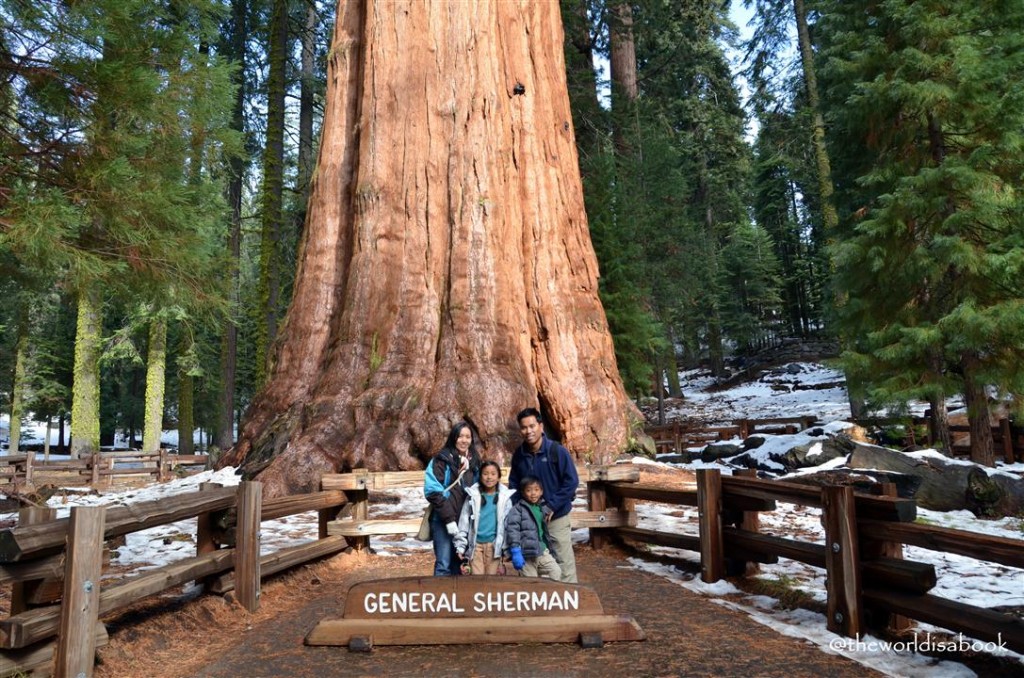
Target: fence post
30	457
162	471
80	607
842	561
872	548
750	522
709	512
247	545
30	515
94	462
325	516
360	500
599	500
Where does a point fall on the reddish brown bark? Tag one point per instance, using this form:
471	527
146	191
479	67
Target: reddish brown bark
446	270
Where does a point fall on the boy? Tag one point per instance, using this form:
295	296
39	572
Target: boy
526	533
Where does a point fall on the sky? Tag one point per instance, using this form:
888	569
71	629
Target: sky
959	578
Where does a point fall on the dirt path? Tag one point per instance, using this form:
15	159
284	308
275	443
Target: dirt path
687	634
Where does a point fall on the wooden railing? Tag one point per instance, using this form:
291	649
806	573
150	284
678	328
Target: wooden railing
101	468
54	566
868	581
1008	439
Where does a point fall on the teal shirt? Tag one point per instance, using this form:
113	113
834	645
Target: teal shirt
538	517
487	529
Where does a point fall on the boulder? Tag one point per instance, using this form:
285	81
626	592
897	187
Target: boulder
818	452
716	451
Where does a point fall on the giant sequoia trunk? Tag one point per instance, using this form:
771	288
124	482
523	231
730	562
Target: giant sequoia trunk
446	270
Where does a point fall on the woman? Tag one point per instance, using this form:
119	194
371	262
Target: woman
449	473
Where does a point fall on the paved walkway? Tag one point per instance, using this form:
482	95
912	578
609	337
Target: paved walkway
687	635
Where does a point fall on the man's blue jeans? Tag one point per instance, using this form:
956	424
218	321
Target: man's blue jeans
446	561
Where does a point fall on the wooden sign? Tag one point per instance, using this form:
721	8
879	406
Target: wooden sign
472	609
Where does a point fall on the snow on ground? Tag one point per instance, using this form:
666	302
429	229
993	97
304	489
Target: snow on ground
959	578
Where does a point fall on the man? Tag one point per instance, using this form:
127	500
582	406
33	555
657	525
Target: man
544	458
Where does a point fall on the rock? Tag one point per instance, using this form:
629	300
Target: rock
753	442
860	479
794	368
947	484
818	452
716	451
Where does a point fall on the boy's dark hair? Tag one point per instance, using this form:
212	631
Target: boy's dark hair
529	412
491	462
530	480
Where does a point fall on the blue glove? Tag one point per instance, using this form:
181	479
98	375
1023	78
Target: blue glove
518	561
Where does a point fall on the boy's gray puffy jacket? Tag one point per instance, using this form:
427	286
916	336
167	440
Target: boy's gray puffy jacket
521	530
469	521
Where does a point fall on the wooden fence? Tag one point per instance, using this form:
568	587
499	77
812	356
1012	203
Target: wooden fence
1008	439
869	583
101	468
54	567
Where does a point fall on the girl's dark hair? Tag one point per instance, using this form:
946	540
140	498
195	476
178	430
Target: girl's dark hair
490	462
529	480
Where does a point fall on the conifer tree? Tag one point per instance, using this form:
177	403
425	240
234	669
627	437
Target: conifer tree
928	103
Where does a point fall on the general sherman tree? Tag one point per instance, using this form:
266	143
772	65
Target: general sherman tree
446	270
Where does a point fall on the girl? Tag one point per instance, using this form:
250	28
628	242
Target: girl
481	537
452	470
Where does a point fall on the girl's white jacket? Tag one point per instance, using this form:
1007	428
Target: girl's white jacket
469	521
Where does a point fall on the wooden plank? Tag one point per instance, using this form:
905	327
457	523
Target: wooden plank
981	546
749	542
407	479
283	560
300	503
842	561
875	508
21	662
360	500
709	518
23	590
19	542
365	528
664	495
909	576
750	521
41	568
976	622
688	542
871	549
79	613
474	630
597	500
247	555
40	623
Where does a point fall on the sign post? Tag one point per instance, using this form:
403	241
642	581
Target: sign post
472	609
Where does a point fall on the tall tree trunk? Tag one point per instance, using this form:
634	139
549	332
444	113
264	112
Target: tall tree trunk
446	271
622	63
186	399
20	383
307	87
229	341
156	370
85	392
272	204
938	421
982	446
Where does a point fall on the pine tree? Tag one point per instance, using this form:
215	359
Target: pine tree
927	99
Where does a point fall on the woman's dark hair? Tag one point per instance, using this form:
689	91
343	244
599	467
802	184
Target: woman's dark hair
529	480
454	435
493	463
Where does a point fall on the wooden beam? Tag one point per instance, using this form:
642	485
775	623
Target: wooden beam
365	528
754	543
612	517
709	517
247	551
300	503
871	549
41	623
976	622
664	495
687	542
23	662
842	561
877	508
22	590
981	546
389	480
284	559
17	543
79	613
750	521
